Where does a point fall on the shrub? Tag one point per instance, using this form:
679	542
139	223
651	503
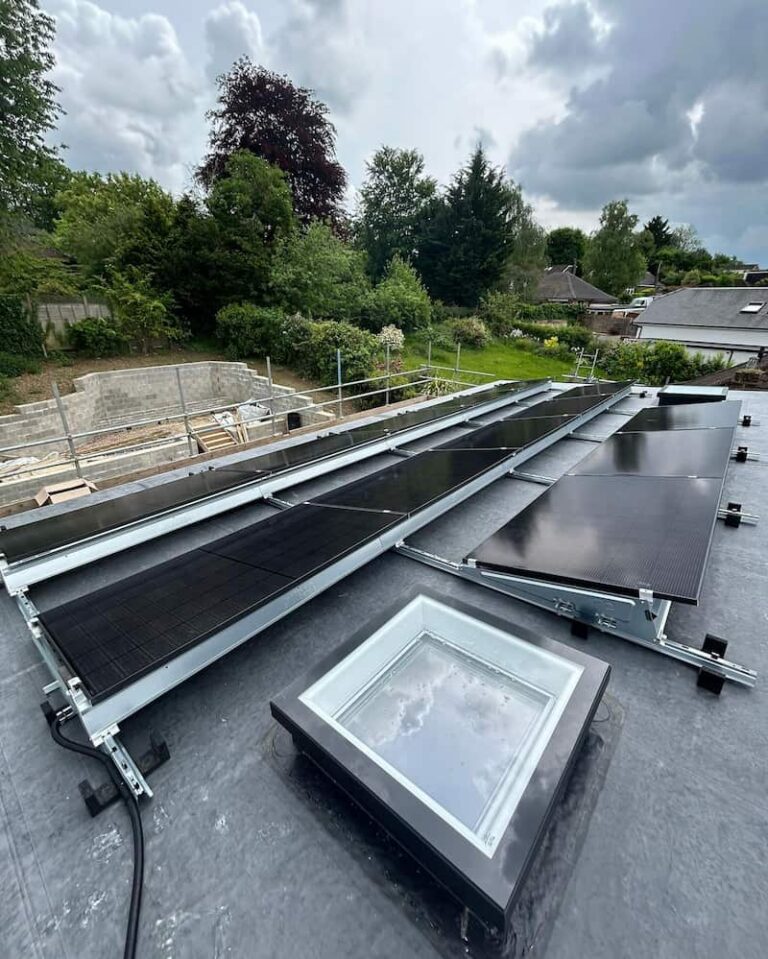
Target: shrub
11	364
143	314
656	363
504	311
359	349
442	313
392	337
400	299
20	333
248	330
96	336
470	332
552	343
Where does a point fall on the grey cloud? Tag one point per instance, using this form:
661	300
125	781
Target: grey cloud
319	47
231	31
567	39
627	133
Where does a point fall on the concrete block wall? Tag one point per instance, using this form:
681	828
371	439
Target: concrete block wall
119	397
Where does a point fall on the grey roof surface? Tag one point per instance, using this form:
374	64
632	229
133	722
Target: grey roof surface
249	856
560	283
709	307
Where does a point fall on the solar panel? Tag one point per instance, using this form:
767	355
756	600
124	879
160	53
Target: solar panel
618	533
677	453
686	417
565	404
53	532
596	389
511	433
113	636
416	482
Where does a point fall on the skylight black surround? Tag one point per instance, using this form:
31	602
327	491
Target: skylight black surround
491	743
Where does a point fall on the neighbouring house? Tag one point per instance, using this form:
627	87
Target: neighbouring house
755	277
559	284
728	320
644	282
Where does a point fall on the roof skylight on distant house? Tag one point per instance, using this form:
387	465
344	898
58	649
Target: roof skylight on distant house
752	307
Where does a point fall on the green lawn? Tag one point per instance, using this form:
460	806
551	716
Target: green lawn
503	360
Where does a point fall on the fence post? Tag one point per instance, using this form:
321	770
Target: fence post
387	394
338	375
594	364
458	361
193	451
271	395
65	424
429	354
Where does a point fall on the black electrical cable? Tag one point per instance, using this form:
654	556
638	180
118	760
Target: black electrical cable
132	805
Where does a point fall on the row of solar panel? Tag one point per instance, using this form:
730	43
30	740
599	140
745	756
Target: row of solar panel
637	513
64	529
114	635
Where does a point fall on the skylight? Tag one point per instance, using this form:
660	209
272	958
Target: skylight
454	731
752	307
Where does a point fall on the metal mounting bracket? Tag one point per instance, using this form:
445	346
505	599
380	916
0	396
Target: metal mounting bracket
639	620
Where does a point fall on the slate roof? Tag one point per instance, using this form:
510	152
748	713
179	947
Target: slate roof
559	283
709	307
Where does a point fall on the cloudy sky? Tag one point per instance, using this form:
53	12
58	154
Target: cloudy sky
664	102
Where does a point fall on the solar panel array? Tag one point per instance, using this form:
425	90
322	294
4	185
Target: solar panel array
638	513
113	636
55	532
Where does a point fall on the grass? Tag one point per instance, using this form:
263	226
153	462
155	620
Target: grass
503	360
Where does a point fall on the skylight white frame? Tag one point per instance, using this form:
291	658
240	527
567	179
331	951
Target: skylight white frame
545	673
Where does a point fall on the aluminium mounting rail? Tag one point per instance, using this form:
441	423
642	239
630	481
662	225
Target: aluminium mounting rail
101	719
19	575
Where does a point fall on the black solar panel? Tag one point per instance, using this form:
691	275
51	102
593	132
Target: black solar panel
53	532
565	405
688	417
596	389
513	433
57	531
617	533
416	482
676	453
115	635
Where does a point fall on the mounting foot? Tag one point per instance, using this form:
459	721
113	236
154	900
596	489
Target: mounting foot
97	799
707	679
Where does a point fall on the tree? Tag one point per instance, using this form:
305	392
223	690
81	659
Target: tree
400	299
251	208
645	243
468	235
113	222
317	274
392	201
685	238
265	114
528	250
614	260
659	229
28	107
566	244
143	315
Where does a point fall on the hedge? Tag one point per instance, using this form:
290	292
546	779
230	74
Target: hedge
307	346
504	312
96	336
20	333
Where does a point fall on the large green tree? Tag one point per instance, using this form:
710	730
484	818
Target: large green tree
566	244
28	107
251	207
113	222
658	227
469	234
393	198
267	115
317	274
614	260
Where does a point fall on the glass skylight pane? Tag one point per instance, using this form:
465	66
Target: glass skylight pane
752	308
458	712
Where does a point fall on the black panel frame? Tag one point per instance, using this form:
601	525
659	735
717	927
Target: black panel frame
488	886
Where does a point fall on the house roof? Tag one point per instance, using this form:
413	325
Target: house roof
559	283
251	852
709	307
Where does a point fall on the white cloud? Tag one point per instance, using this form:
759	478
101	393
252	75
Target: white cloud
131	97
232	31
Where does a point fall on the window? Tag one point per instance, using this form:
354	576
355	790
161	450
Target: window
752	307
